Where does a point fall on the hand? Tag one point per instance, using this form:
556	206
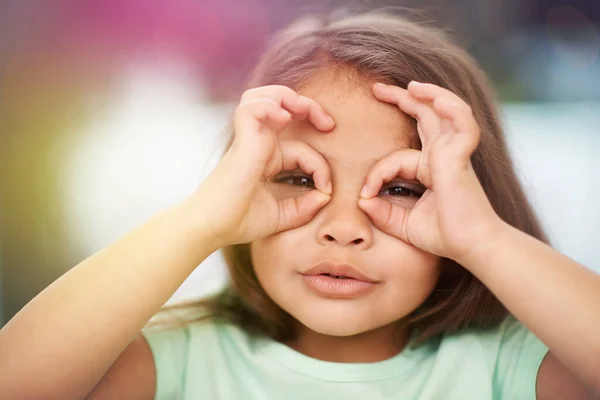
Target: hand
235	204
454	212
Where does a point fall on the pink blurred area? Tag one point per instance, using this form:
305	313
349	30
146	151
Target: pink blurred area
86	35
201	30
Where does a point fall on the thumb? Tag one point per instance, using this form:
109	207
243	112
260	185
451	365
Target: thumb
387	217
297	211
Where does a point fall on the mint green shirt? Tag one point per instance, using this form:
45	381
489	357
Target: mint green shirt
211	361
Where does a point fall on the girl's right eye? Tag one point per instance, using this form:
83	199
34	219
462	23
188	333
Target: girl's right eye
296	179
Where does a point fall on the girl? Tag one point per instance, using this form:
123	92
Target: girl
378	242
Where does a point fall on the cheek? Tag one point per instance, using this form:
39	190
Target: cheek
280	248
271	257
411	268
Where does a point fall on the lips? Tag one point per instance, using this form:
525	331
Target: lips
334	270
338	281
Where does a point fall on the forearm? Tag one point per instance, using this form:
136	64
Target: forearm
555	297
68	336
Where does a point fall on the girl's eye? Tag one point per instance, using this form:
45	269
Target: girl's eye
397	189
298	180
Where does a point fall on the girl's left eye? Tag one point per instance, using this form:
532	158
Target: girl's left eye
401	190
298	180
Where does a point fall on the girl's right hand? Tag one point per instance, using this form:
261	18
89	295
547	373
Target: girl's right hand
234	203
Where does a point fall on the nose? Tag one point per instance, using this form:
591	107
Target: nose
343	223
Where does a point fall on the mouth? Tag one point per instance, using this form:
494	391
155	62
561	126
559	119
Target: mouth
338	271
339	281
337	277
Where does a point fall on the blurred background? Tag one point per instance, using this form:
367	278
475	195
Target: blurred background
113	110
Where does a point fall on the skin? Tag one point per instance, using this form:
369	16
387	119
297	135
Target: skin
367	130
100	354
454	219
72	353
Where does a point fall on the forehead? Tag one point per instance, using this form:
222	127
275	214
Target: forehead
366	129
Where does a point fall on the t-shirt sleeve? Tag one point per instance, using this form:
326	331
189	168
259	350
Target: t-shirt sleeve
169	350
520	354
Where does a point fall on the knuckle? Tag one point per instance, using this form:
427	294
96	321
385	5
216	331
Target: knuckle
423	112
254	108
244	108
249	94
257	105
282	88
240	109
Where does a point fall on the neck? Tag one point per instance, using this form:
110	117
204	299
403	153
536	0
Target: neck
367	347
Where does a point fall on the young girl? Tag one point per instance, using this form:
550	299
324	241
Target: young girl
378	241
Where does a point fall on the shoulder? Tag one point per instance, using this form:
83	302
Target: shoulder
170	345
508	337
524	366
187	357
155	363
179	339
510	353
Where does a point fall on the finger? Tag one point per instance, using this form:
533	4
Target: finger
387	217
265	110
462	120
446	103
430	92
297	211
402	163
300	107
423	112
317	115
300	155
262	111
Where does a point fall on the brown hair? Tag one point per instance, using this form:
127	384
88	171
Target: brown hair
388	47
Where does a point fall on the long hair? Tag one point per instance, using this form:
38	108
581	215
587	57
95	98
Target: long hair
390	48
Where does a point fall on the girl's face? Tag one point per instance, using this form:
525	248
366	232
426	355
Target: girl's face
341	233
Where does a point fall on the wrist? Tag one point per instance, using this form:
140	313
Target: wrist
193	222
491	241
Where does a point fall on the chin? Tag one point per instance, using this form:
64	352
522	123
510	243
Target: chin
330	329
339	321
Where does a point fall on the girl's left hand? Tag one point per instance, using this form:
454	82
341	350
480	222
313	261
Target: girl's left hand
454	214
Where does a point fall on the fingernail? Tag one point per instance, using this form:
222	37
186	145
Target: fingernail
329	120
364	204
305	100
329	188
364	192
324	200
381	85
415	83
